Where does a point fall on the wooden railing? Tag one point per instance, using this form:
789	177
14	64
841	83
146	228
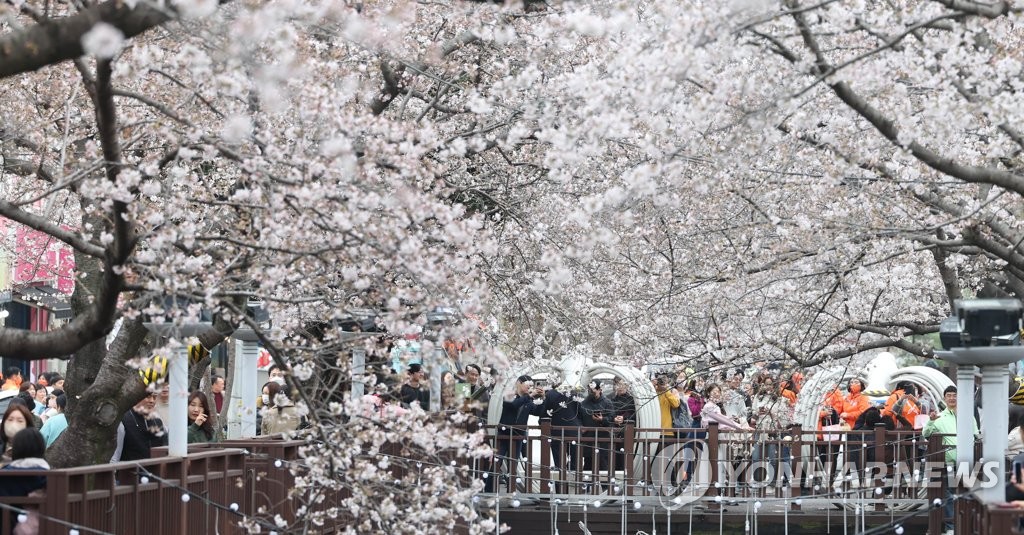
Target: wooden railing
636	464
225	482
137	497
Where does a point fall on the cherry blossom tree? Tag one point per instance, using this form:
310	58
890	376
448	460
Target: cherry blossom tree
712	182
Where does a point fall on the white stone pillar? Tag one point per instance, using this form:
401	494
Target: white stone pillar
358	371
434	362
965	414
247	352
994	379
177	411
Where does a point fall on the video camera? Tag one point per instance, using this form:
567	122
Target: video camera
982	323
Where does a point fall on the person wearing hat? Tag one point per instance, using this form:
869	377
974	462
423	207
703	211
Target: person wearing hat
413	391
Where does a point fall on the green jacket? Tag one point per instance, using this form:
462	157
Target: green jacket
945	424
196	434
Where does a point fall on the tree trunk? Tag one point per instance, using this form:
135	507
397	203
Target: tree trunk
98	399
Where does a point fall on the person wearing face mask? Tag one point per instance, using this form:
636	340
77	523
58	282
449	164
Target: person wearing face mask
279	413
276	374
855	403
27	449
16	418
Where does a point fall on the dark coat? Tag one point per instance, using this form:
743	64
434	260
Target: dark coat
563	410
591	406
517	412
11	485
625	406
410	394
139	436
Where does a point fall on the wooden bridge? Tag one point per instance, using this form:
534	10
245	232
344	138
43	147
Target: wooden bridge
636	487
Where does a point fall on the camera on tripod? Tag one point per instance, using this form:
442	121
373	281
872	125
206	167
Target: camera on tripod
982	323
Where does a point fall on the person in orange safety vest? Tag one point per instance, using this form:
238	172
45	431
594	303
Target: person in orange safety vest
855	403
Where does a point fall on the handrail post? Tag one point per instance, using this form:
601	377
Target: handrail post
628	437
935	491
877	479
797	456
546	482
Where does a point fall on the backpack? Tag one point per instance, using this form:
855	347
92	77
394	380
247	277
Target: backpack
897	412
681	417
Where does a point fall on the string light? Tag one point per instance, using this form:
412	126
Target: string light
74	529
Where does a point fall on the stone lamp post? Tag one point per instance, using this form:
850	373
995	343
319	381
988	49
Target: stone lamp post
982	323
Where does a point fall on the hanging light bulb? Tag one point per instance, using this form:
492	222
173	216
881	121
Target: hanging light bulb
899	529
637	505
515	503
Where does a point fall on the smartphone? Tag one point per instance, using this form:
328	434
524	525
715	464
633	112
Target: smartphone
1018	471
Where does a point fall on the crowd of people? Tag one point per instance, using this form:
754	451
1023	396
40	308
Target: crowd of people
40	407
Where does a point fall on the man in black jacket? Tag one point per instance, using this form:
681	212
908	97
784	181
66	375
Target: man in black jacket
625	414
564	412
413	391
140	430
515	415
598	414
